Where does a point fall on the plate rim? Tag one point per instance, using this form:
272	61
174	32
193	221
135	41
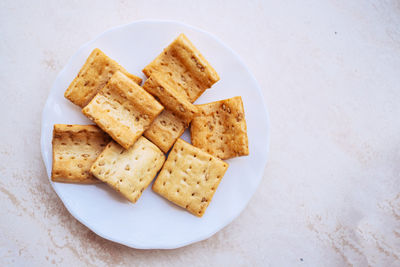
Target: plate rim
133	244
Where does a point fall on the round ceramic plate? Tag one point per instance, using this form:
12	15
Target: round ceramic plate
153	222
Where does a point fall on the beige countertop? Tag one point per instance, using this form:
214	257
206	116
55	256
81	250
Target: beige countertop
329	70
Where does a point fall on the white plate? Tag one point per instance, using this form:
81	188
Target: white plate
153	222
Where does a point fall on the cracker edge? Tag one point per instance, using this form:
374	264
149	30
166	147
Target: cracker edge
158	171
101	92
155	185
64	180
85	66
246	152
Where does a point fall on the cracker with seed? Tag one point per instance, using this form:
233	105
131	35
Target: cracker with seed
190	177
163	89
129	171
165	130
187	67
93	76
123	109
75	148
178	113
220	128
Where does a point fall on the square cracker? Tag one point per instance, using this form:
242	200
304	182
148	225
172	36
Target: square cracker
220	128
190	177
187	67
93	76
123	109
165	130
75	148
162	87
129	171
178	113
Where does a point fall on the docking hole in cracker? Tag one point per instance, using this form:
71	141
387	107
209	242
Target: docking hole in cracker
219	128
123	109
178	113
190	177
165	130
186	66
75	148
93	76
162	87
129	171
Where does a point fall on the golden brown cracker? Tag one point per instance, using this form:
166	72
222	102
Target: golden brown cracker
187	67
93	76
163	89
75	148
129	171
165	130
190	177
178	113
123	109
220	128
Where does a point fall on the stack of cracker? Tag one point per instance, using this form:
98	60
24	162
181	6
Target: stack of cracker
136	125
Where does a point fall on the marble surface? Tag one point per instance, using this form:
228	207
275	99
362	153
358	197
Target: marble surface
329	70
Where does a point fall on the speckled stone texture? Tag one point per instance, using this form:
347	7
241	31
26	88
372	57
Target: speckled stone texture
329	70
